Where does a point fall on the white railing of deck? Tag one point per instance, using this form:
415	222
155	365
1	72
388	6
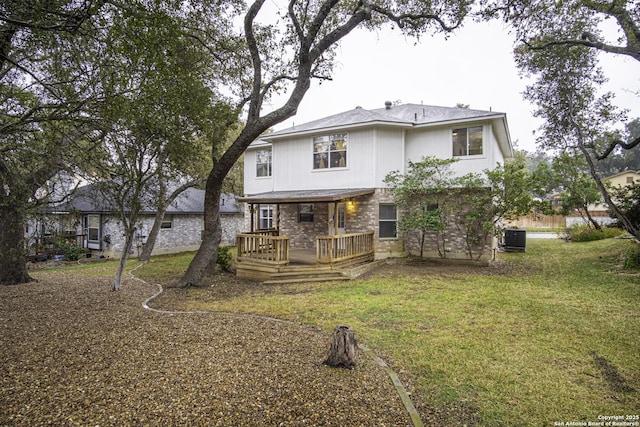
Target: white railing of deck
263	246
342	247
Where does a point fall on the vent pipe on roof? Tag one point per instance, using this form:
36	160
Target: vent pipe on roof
387	105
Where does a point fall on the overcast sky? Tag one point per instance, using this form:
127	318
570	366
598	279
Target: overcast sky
474	66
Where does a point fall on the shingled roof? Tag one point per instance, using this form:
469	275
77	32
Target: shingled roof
88	199
405	115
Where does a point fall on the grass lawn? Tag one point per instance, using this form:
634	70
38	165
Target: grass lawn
546	336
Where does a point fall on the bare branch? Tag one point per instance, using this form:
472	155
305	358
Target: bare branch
613	144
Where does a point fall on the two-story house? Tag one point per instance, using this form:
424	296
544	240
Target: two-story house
320	186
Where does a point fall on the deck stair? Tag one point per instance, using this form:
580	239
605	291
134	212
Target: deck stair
299	274
319	273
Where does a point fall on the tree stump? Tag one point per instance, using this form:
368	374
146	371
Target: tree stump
343	348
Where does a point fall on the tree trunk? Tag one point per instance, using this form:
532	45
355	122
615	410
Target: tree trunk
153	235
630	227
343	348
13	262
204	262
162	209
593	222
117	280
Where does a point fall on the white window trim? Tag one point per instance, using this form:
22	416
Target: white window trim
271	164
470	156
397	236
329	168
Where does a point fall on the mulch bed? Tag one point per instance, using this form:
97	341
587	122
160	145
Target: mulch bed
75	353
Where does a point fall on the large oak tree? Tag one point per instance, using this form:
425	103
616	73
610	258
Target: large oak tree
559	45
285	56
47	99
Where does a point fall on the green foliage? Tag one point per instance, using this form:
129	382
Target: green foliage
628	201
585	233
433	200
579	188
561	45
422	194
225	258
71	250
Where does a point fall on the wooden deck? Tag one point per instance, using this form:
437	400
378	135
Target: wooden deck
269	258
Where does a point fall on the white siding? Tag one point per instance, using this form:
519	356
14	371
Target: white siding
371	154
252	183
437	142
390	152
293	165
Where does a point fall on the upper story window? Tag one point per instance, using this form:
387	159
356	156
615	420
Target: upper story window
330	151
263	162
467	141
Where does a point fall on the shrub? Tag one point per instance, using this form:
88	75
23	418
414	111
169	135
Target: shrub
632	259
224	258
584	233
71	251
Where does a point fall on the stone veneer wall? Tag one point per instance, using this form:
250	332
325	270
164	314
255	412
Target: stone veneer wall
454	245
362	215
184	235
366	216
302	235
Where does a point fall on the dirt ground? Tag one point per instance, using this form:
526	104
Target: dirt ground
75	353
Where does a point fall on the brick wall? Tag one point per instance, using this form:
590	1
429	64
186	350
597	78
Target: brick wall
362	214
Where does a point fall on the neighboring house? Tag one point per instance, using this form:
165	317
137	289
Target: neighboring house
622	179
92	222
326	177
600	211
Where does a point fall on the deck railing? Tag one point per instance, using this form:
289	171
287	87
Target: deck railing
342	247
263	245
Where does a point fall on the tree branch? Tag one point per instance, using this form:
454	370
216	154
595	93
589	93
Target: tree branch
613	144
588	40
256	101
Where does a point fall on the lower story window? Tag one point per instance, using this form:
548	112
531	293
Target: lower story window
266	217
93	228
167	222
305	212
387	225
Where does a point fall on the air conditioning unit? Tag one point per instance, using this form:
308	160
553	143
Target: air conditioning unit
515	240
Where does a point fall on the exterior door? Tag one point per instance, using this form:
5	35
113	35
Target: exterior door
92	232
337	218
